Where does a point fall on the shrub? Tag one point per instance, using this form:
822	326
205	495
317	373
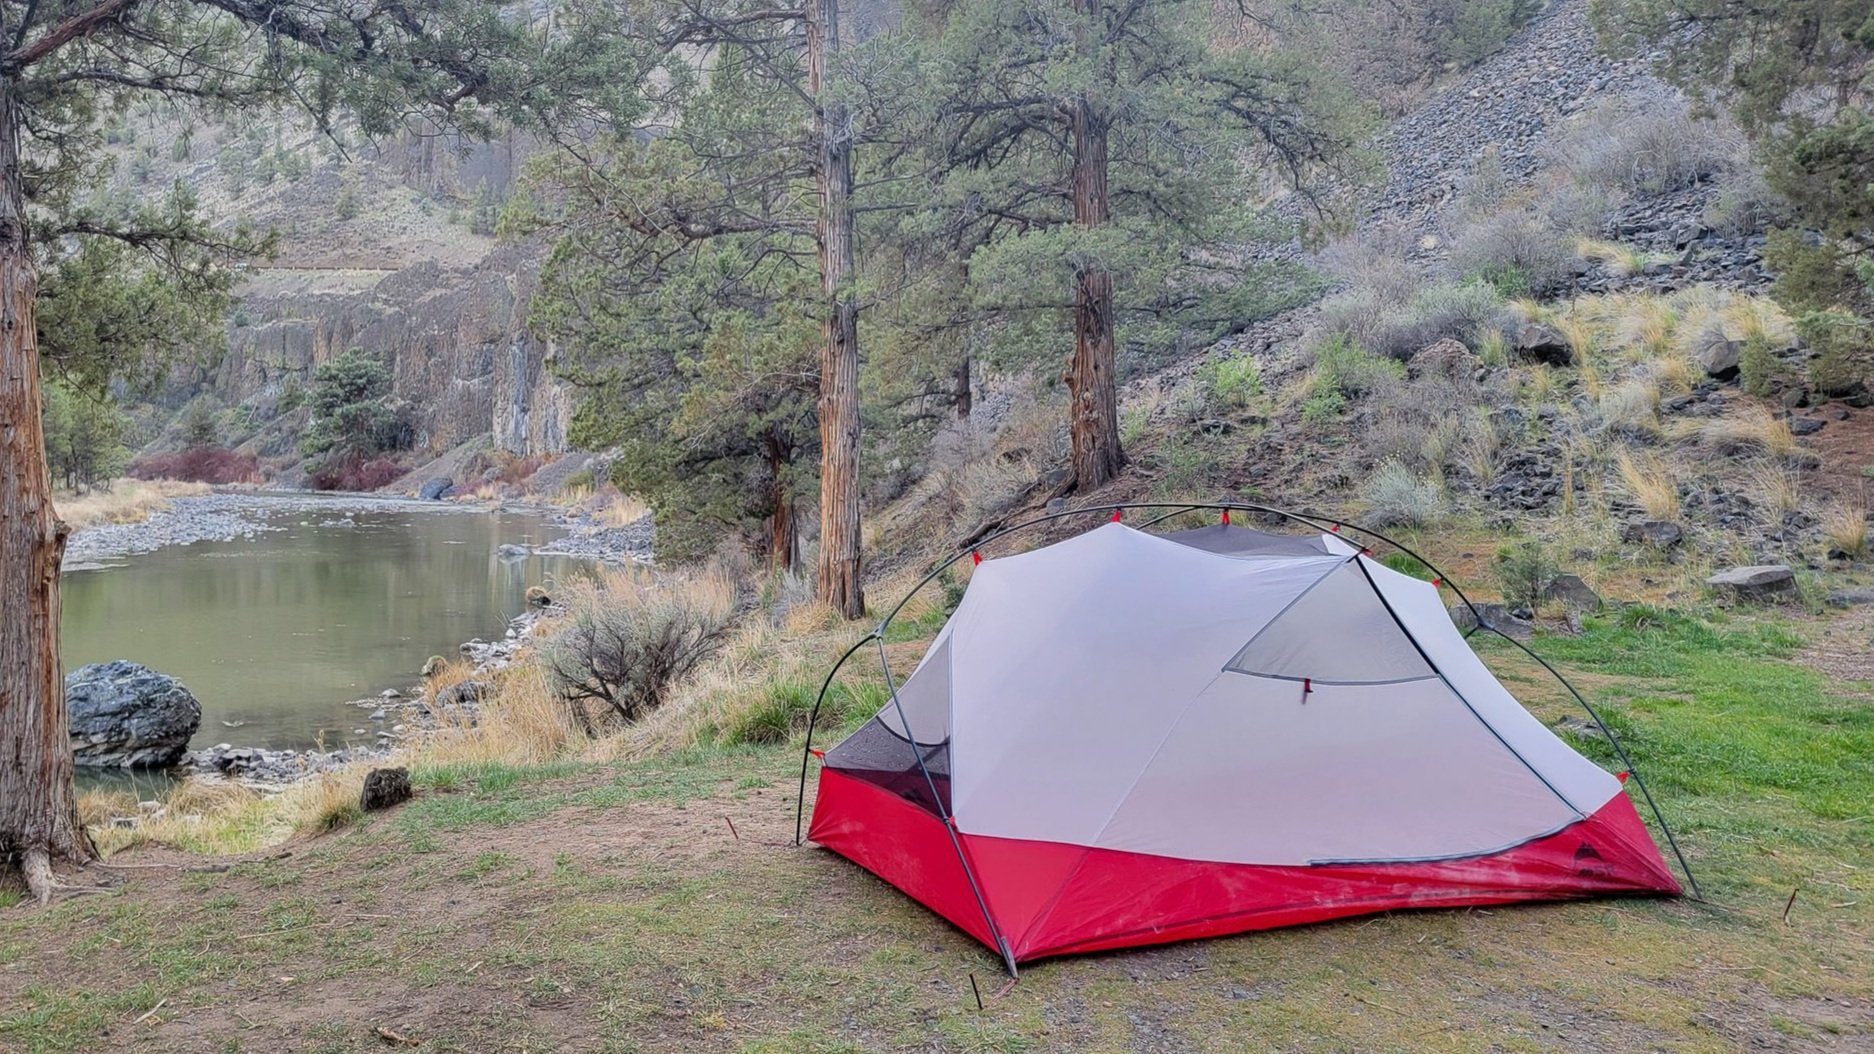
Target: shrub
1845	525
1524	571
1324	405
203	464
350	472
1516	252
1232	380
1397	498
1759	371
1646	148
1351	369
1745	203
1398	328
1844	347
630	636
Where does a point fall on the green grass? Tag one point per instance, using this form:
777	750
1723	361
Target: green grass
604	906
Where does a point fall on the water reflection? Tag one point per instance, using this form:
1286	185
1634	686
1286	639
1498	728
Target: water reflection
275	633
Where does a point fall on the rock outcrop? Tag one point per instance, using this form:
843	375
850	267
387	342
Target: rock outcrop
125	715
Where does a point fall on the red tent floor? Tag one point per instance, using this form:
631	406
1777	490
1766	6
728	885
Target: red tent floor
1050	898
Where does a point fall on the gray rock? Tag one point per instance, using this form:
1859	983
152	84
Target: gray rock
1543	344
126	715
511	551
436	489
1853	596
1495	616
1574	594
1806	426
1660	534
1719	356
1755	582
464	694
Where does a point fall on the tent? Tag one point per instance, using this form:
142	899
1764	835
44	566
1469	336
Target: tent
1127	738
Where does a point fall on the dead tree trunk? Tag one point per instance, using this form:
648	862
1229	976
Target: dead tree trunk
962	400
38	806
1092	386
839	354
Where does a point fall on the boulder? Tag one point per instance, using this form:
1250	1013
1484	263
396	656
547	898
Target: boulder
538	597
1755	582
1719	356
1544	344
126	715
511	551
384	788
1806	426
1574	594
1495	616
433	665
1444	358
1660	534
460	696
436	489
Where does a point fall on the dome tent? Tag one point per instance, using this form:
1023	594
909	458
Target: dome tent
1126	738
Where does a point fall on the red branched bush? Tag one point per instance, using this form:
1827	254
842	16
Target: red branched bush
350	473
202	464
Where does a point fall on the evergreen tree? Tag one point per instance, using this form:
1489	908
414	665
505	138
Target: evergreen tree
65	66
1798	75
1095	161
750	166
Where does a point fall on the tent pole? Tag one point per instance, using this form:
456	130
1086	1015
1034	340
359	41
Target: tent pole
943	811
806	749
1664	827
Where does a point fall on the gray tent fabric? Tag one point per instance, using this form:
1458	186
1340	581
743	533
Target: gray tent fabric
1338	632
1227	540
1135	692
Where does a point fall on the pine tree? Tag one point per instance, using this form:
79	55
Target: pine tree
65	64
751	159
1094	163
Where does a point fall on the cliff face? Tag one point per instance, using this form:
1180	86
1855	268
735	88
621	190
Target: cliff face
454	335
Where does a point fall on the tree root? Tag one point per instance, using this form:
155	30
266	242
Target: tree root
36	866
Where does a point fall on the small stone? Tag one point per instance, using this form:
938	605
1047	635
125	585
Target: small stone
1755	582
1660	534
1805	426
433	665
384	788
1854	596
390	693
1495	616
511	551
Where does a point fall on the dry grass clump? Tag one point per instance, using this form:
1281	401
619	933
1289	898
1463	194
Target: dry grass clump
122	501
1755	428
621	510
1631	407
201	814
1620	260
1777	487
1845	525
1649	483
521	721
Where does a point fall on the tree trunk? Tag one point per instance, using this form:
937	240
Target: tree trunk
1092	386
961	398
38	805
783	533
839	353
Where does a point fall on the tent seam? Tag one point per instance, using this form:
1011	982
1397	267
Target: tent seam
1452	688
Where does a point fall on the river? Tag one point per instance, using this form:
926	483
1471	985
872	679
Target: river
277	632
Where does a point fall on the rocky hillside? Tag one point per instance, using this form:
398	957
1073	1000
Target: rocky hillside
387	247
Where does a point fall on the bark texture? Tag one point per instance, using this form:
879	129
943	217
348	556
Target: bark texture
38	805
839	583
1092	386
783	534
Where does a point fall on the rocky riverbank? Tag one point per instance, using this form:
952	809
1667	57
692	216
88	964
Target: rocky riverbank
219	517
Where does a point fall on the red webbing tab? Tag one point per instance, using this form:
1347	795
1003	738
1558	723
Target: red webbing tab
1438	581
1116	515
1307	686
1622	777
816	752
1335	528
977	556
1226	517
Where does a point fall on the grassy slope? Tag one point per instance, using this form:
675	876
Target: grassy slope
610	907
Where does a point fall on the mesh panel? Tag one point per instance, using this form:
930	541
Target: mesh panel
877	755
1338	632
1245	541
925	697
